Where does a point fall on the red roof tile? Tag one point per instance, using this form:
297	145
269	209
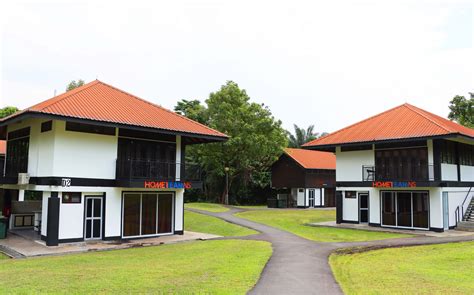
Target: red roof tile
3	147
405	121
99	101
312	159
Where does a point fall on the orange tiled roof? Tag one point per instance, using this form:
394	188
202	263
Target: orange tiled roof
3	147
405	121
312	159
99	101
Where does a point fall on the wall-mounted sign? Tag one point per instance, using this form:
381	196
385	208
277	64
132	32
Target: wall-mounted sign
167	184
66	182
389	184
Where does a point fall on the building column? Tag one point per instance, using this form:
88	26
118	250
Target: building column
338	206
178	158
52	236
21	195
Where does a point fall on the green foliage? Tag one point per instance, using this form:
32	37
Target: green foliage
462	110
212	225
302	136
74	84
431	269
200	267
7	111
256	138
193	109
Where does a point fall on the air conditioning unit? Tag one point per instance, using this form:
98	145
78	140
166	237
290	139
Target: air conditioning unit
23	178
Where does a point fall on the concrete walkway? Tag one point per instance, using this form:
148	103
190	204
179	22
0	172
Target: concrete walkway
300	266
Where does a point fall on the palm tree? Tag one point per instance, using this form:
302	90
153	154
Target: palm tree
301	136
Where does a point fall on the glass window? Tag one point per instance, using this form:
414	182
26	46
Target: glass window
420	210
131	215
33	195
165	213
350	194
71	197
149	214
388	208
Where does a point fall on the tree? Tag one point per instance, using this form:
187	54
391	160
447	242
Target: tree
462	110
256	139
7	111
301	136
74	84
193	109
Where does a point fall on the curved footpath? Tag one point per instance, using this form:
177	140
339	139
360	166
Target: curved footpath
300	266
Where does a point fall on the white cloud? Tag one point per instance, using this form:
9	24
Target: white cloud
328	63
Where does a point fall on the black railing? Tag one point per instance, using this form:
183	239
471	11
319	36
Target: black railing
398	173
464	201
157	170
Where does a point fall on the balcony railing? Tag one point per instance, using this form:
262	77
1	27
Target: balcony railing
398	173
128	169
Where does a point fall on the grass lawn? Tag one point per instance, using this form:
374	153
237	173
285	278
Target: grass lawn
209	267
212	225
3	256
294	221
433	269
211	207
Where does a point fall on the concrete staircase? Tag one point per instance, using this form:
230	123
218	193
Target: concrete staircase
467	223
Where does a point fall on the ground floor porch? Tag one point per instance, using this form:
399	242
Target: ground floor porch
310	197
411	208
58	215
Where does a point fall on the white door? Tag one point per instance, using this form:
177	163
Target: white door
311	198
93	218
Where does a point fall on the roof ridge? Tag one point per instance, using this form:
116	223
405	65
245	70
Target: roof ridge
160	107
421	113
357	123
63	96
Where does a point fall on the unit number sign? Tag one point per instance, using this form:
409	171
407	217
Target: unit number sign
66	182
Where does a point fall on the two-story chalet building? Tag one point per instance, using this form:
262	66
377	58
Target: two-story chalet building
304	178
102	164
404	168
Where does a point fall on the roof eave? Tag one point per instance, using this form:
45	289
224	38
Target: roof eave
34	114
325	147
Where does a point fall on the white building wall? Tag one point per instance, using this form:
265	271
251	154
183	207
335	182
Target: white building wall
44	213
71	219
300	197
349	164
179	204
456	195
350	207
87	155
467	173
436	208
449	172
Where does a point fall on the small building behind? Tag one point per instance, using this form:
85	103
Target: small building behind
304	179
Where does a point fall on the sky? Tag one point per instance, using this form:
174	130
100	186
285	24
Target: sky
322	63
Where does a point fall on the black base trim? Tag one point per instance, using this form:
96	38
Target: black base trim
179	232
302	207
437	229
73	240
452	227
350	221
43	238
113	238
374	224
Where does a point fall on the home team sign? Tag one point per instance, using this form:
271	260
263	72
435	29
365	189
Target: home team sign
167	184
385	184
